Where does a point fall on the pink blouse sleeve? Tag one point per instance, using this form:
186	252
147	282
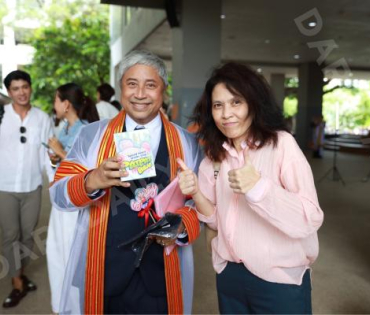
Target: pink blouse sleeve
292	205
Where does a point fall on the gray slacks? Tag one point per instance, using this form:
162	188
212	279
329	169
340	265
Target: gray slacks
19	214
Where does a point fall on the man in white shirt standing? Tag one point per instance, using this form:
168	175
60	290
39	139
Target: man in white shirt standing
23	158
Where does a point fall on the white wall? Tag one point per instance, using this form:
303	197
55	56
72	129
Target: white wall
142	23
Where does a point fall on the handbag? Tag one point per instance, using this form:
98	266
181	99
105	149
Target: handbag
167	227
211	233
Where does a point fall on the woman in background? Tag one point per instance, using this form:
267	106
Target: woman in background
107	109
263	201
77	110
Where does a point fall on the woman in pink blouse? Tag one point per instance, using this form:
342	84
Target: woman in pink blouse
263	201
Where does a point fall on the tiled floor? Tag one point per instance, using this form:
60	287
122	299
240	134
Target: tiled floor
341	275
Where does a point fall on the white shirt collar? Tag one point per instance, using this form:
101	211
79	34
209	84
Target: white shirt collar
14	113
152	125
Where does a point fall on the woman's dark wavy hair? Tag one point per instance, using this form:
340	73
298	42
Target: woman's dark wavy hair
240	80
84	105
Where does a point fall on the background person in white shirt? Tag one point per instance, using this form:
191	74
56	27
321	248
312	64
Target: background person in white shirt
23	158
105	109
70	104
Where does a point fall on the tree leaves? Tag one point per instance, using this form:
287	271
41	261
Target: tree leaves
75	49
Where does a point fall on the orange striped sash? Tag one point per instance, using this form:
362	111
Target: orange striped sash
99	212
67	168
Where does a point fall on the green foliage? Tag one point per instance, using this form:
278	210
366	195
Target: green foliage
292	82
344	106
3	13
290	106
349	108
29	9
3	9
55	11
75	50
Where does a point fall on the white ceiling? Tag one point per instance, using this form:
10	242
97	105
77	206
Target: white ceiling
263	33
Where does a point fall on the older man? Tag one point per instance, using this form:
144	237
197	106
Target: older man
23	159
100	276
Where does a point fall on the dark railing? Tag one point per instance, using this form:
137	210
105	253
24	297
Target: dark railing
347	143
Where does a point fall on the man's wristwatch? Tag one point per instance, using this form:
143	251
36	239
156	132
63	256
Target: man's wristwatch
183	234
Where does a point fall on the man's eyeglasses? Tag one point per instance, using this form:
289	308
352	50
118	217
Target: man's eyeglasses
23	130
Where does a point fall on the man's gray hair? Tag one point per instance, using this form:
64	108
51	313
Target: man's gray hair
143	57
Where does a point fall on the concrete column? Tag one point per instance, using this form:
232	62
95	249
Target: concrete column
310	95
196	50
278	87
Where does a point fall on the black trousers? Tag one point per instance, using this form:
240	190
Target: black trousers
241	292
135	300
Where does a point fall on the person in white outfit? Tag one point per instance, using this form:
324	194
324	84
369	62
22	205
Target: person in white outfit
105	109
23	158
77	110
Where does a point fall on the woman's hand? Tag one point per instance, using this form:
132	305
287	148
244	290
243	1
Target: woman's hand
188	181
57	147
107	175
243	179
